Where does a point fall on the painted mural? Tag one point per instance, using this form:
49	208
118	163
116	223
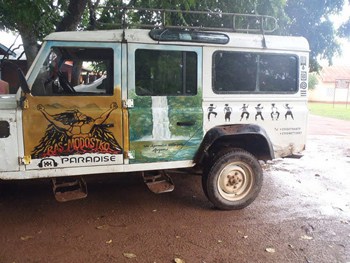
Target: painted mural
165	128
72	132
245	112
278	119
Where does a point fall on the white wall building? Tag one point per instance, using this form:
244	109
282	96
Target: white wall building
329	89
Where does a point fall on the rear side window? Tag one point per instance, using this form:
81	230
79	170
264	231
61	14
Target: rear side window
243	72
165	73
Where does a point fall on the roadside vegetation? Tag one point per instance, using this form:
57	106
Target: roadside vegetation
337	111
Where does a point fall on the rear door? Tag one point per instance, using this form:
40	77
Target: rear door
74	115
164	83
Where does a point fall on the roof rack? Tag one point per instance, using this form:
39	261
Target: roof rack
162	18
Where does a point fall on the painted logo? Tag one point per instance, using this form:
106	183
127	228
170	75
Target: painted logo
48	163
73	132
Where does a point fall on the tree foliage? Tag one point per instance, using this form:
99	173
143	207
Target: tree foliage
34	19
109	15
344	30
311	19
313	81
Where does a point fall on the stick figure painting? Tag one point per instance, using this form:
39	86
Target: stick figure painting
227	111
289	112
259	112
211	111
274	112
245	112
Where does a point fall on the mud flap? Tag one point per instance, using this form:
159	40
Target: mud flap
69	188
158	182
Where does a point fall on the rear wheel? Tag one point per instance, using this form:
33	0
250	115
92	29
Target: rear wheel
233	181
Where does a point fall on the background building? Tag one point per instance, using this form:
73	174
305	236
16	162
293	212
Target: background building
329	87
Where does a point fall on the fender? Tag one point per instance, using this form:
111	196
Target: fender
250	137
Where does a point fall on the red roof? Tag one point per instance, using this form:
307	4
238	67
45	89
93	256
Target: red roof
330	74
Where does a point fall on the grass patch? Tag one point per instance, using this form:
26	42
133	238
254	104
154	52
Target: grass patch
339	111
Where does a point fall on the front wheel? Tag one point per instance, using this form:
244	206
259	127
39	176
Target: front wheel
234	180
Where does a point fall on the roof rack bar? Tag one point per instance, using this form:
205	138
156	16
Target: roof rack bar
248	23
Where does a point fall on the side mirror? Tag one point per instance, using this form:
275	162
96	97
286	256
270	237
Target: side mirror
23	81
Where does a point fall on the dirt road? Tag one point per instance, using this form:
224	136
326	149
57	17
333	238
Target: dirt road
301	215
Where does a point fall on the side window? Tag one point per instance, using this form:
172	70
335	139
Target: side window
278	73
72	71
234	72
165	73
243	72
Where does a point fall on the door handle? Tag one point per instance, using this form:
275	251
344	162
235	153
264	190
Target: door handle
185	123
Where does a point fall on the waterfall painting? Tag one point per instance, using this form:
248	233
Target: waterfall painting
165	128
160	118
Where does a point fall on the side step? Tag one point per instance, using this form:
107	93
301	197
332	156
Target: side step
69	188
158	181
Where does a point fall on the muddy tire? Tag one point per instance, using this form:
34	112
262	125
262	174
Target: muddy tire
233	181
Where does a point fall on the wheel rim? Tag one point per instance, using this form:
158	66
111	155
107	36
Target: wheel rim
235	181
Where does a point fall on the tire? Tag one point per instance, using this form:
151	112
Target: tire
208	164
234	180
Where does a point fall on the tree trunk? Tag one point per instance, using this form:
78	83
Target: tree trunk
76	73
30	45
92	14
72	17
69	22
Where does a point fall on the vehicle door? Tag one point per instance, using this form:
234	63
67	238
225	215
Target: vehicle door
164	83
73	116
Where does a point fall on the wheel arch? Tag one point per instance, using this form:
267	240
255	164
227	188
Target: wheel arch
249	137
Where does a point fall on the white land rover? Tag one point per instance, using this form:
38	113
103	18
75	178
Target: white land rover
139	100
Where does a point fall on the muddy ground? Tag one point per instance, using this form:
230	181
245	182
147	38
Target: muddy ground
301	215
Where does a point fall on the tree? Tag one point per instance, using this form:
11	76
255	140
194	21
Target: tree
313	81
344	30
310	18
34	19
22	16
109	15
72	17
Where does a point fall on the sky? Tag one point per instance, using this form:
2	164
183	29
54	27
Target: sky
7	39
344	58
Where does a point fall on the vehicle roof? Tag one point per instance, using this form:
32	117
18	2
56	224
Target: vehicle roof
142	36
